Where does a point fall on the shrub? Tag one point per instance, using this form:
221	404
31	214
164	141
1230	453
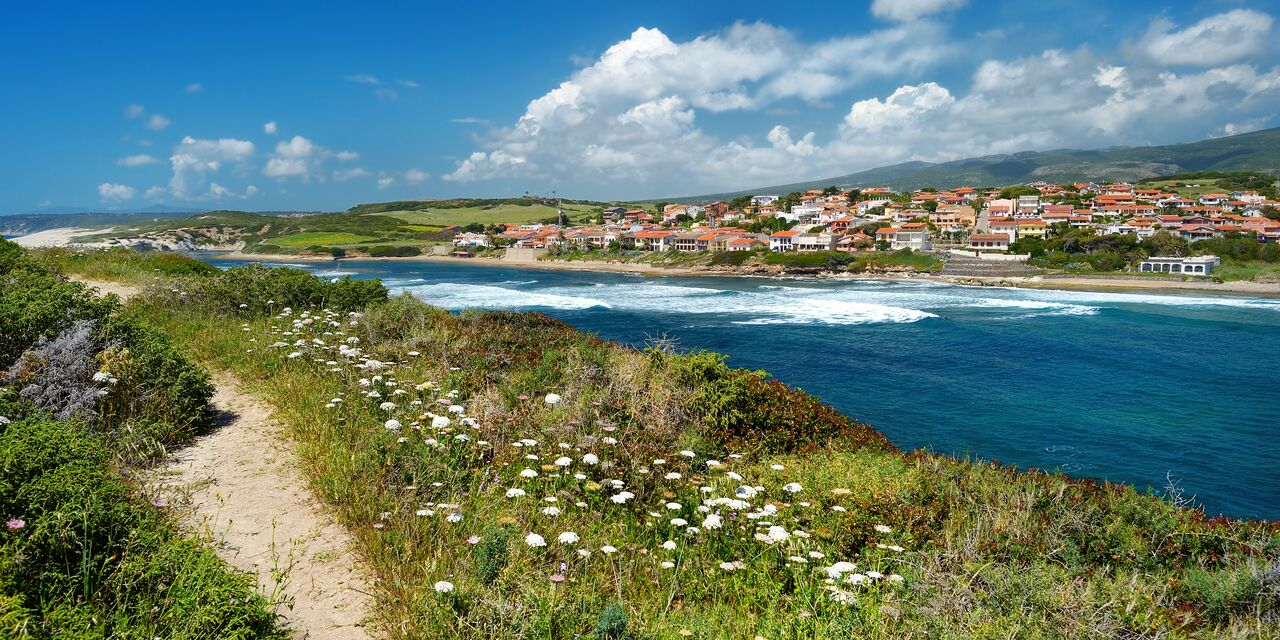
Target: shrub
264	290
393	251
36	304
57	375
612	623
491	555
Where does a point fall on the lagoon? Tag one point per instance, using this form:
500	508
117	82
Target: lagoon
1141	388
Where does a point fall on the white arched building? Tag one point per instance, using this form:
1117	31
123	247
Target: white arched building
1188	266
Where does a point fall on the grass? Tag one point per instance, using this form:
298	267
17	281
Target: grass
311	238
510	213
985	550
1254	270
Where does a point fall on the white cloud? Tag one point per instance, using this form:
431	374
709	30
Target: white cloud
631	116
155	193
270	128
157	122
250	191
363	78
343	175
193	159
137	160
111	191
384	183
195	87
1216	40
302	158
909	10
416	176
408	84
133	111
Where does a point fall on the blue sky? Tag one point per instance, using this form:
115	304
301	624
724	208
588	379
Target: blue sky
125	107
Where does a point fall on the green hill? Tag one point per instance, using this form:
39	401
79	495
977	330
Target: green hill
1258	151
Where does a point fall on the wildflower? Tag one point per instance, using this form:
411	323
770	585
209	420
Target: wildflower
712	521
875	575
744	491
473	540
839	509
444	587
424	512
778	534
679	522
101	376
713	463
454	517
667	565
387	406
798	559
528	473
669	545
440	422
551	511
557	577
563	461
535	540
792	487
392	424
552	398
590	458
672	476
881	528
839	569
568	537
608	549
817	555
584	553
893	577
727	566
622	498
13	524
688	454
674	506
515	493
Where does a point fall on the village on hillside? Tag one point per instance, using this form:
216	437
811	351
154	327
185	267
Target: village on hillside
962	220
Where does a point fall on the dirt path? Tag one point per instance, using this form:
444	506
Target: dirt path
245	490
241	485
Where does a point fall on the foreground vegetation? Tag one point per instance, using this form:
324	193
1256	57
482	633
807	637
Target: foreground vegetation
86	395
507	476
1083	251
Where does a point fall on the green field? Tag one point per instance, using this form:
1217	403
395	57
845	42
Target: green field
515	214
309	238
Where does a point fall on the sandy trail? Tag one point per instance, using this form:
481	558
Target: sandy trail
244	489
241	484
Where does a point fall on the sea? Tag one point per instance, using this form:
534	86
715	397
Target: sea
1151	389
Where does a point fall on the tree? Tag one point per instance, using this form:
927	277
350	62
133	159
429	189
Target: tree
1019	190
931	205
1272	212
831	190
1163	243
852	196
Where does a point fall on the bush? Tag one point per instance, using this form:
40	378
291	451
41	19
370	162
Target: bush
92	560
393	251
36	304
491	555
612	623
57	375
266	290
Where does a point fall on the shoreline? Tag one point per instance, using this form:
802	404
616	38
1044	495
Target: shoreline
1062	283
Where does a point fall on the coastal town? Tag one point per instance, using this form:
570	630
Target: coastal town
961	220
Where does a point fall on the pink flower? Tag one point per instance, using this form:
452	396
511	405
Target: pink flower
473	540
15	523
557	578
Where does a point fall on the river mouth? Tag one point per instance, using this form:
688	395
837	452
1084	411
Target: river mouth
1133	387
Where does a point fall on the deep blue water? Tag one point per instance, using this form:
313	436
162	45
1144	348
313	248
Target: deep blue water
1129	387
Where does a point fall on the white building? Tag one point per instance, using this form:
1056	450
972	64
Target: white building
1189	265
760	201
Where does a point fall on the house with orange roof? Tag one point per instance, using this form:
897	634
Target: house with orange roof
989	242
781	240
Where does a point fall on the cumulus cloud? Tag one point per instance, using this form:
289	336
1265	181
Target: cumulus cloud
385	182
632	114
157	122
909	10
137	160
1216	40
270	128
134	111
634	117
111	191
194	159
300	157
416	176
343	175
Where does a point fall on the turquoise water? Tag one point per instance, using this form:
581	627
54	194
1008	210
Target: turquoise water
1129	387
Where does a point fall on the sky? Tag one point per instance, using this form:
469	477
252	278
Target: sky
320	106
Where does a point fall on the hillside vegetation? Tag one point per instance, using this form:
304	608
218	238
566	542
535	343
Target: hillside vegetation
89	393
1256	151
509	477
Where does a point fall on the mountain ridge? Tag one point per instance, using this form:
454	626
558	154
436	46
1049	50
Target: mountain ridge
1256	151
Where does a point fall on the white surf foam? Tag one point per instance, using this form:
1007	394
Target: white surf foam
475	296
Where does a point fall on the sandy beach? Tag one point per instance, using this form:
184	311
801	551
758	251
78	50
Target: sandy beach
60	237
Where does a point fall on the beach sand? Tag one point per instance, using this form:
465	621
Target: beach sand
60	237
